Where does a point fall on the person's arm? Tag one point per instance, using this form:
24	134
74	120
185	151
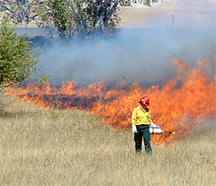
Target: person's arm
150	121
149	117
133	118
133	121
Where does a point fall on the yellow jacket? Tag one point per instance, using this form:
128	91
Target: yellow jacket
140	117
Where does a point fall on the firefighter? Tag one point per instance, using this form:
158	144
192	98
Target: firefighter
141	121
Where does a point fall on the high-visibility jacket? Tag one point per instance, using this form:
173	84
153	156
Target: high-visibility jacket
140	117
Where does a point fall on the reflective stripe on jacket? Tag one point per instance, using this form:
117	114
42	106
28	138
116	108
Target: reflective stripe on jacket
140	117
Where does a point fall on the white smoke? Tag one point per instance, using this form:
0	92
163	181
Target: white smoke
141	55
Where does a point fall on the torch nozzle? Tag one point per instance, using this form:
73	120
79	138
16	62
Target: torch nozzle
169	132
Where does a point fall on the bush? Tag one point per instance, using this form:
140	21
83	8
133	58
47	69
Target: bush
17	59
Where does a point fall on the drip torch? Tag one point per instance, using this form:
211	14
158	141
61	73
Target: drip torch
158	130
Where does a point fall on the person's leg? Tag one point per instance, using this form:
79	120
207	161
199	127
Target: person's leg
147	139
138	140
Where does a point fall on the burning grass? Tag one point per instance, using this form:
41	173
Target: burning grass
180	105
60	147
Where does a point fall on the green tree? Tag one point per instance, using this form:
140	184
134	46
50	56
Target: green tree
20	11
82	17
17	58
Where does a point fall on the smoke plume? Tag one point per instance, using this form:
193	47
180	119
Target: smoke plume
143	55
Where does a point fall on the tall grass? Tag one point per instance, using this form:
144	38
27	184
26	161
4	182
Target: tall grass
56	147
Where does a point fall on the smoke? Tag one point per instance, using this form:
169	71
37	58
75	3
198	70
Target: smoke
140	55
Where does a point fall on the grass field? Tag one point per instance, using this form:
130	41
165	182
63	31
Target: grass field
68	148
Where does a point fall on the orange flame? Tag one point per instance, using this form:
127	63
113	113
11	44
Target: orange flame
180	105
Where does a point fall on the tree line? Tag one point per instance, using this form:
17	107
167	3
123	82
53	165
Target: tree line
71	18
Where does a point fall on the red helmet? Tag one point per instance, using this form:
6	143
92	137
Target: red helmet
145	100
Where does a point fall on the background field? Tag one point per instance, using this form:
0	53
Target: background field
54	147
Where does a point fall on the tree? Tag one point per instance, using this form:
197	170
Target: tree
71	18
20	11
17	59
83	17
105	9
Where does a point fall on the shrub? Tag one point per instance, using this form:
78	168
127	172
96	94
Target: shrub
17	59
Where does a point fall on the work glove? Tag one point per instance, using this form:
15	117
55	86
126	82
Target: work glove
154	125
134	129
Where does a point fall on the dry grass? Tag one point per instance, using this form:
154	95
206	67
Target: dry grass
53	147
